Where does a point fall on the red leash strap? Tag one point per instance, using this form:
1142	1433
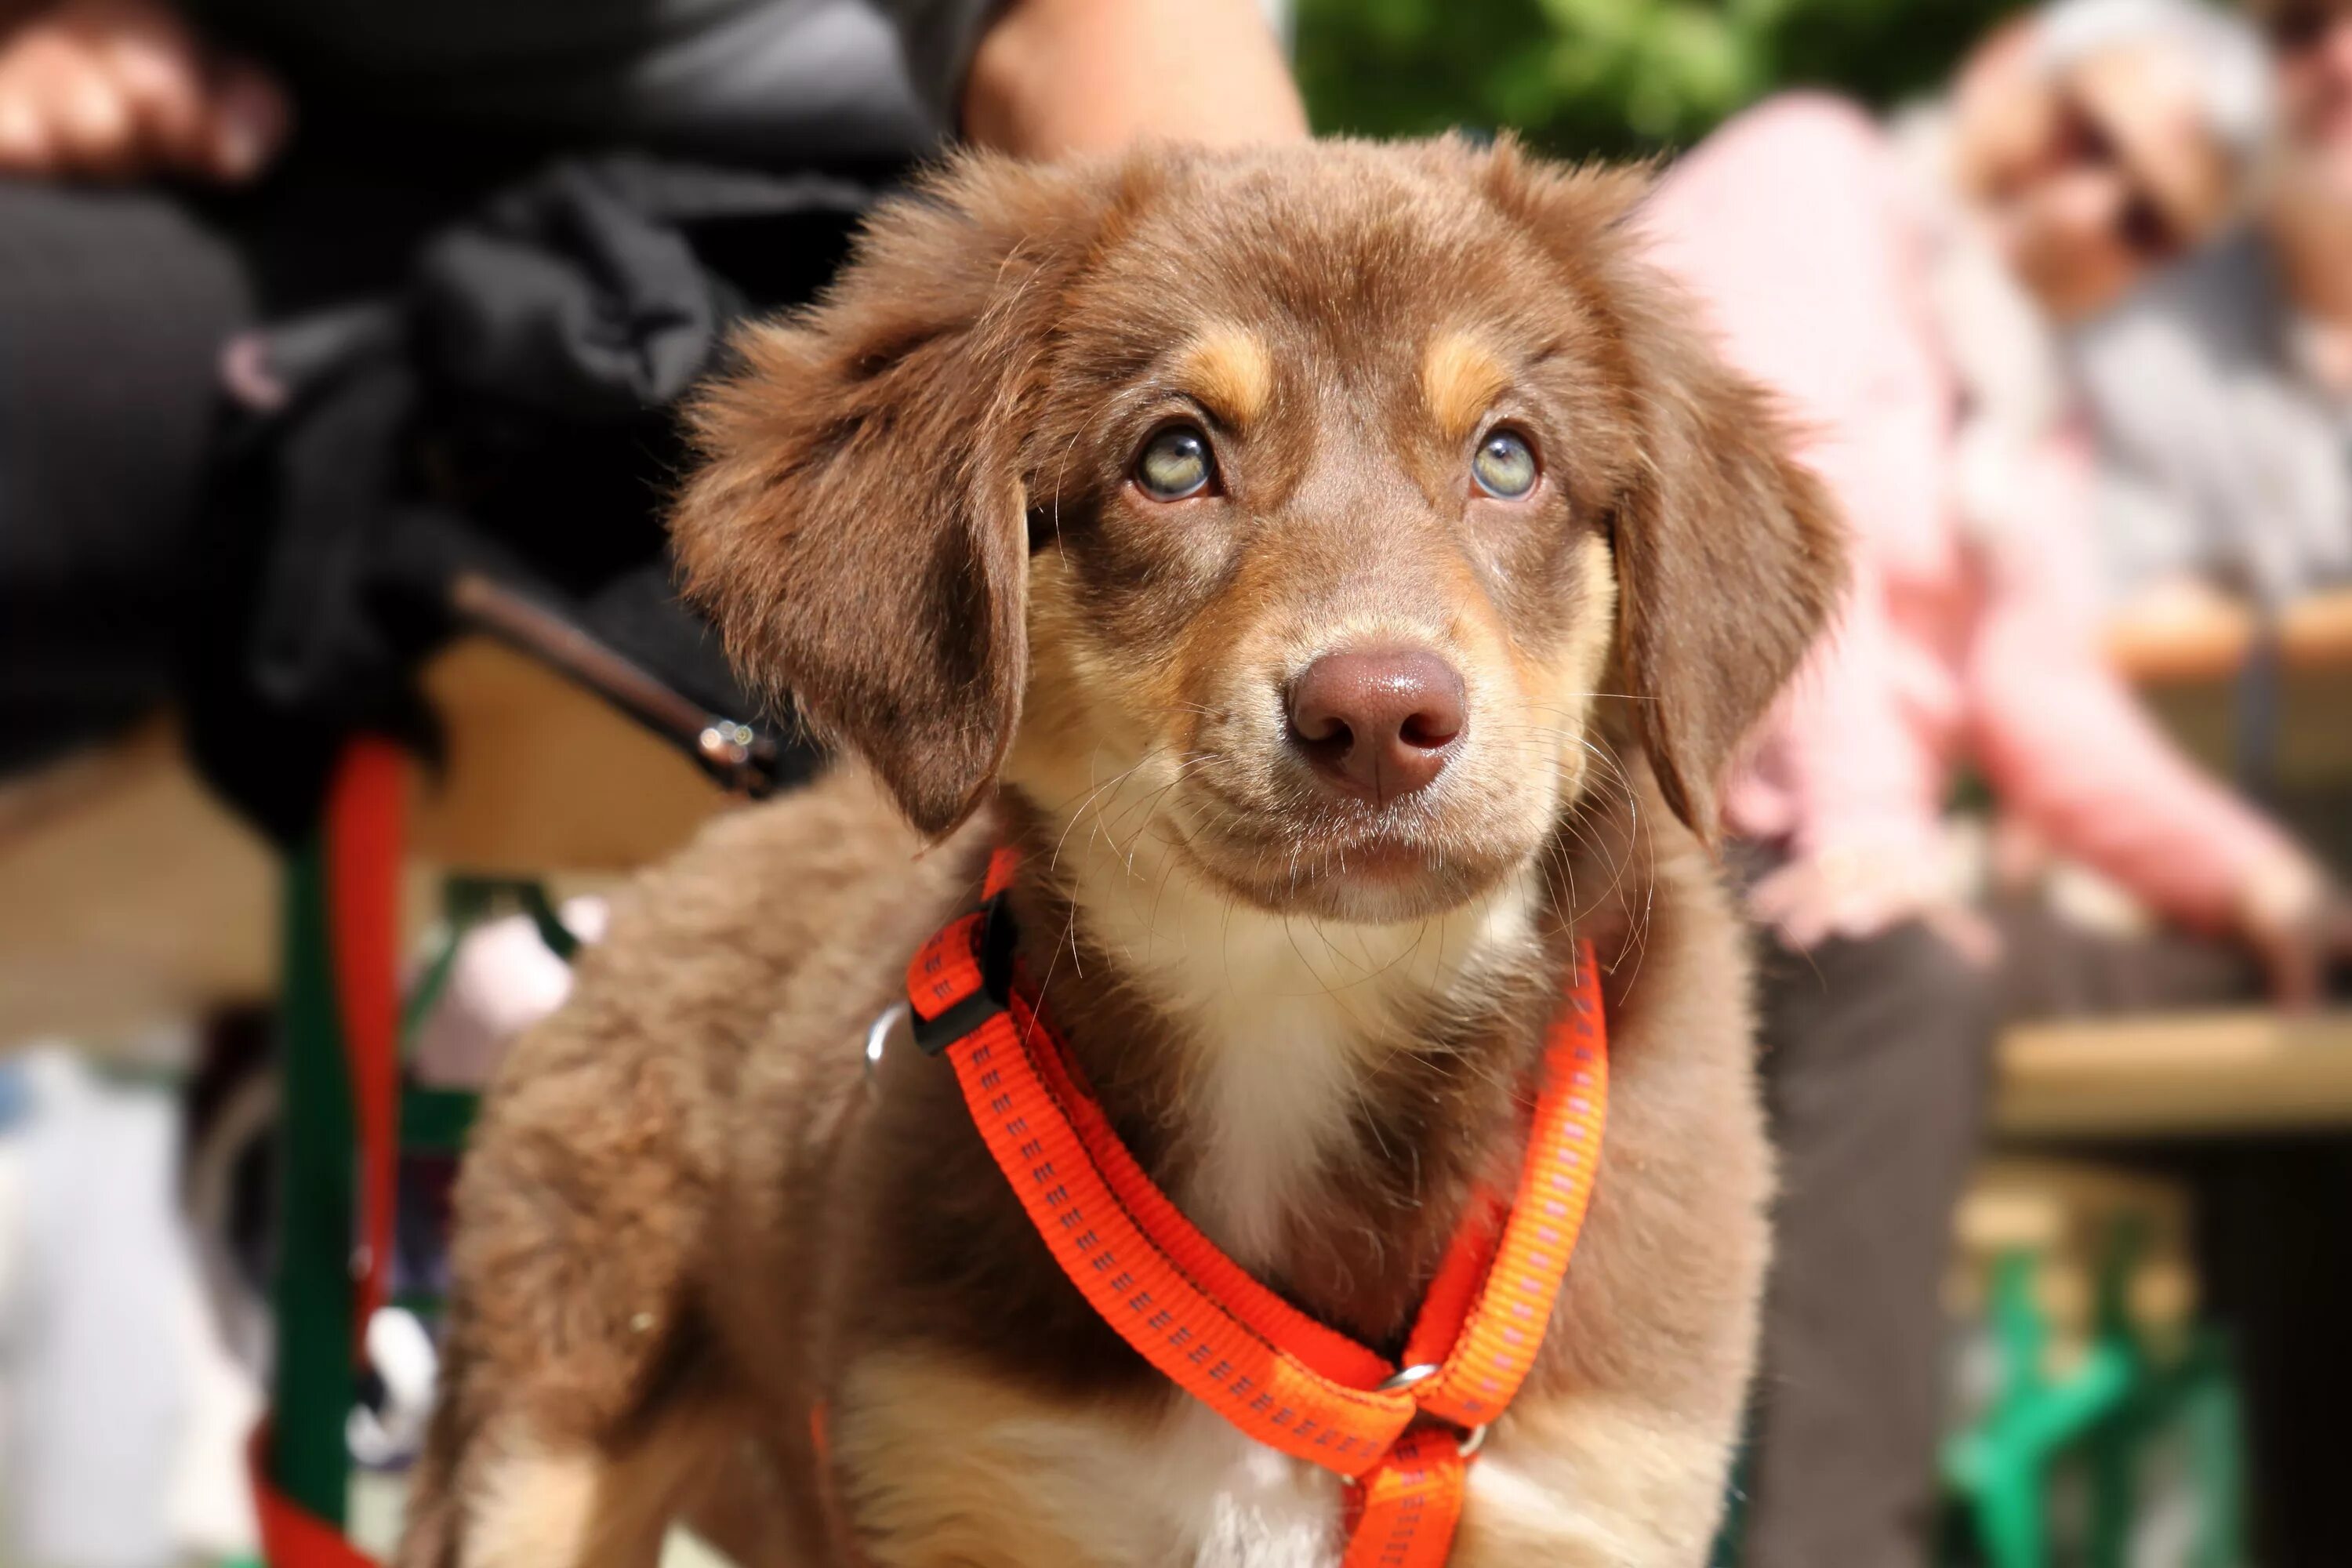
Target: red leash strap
364	835
290	1536
366	819
1278	1375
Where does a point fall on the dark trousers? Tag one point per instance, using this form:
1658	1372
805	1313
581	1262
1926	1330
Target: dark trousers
1875	1059
1877	1062
113	308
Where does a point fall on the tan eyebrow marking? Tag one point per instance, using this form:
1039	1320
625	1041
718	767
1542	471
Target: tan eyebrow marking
1230	371
1460	377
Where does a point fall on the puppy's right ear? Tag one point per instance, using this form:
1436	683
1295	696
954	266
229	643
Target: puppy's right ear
858	524
1730	555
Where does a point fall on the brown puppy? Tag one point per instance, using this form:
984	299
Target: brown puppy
1345	572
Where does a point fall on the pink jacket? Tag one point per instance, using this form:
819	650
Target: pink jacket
1795	227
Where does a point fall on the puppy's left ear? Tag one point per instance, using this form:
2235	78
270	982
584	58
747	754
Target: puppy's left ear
857	524
1730	557
1730	554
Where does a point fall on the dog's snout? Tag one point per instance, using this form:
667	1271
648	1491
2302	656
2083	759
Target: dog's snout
1378	723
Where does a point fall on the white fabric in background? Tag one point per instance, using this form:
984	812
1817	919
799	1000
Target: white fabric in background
504	980
125	1421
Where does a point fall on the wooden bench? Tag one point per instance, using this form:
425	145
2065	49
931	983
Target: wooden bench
2204	1074
130	898
545	777
2214	643
2175	1075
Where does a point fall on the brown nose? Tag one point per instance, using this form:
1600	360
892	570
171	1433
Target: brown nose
1376	722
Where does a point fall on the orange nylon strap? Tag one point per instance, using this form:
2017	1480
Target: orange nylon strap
1002	861
1498	1338
1272	1394
1406	1510
1276	1375
1328	1351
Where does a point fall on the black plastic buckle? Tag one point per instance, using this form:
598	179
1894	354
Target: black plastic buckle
998	941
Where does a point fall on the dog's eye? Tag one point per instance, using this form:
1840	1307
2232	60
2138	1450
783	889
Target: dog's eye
1175	464
1504	466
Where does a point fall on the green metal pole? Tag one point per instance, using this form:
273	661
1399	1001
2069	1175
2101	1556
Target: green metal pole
2217	1447
316	1381
2115	1444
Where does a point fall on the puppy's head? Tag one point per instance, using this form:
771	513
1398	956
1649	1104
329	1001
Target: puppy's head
1312	495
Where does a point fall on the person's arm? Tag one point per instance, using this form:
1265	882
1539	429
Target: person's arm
1055	78
2067	745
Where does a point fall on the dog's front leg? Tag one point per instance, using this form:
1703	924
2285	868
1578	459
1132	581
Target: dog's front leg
575	1382
938	1465
520	1499
526	1504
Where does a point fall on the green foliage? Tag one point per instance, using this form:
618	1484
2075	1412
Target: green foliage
1610	77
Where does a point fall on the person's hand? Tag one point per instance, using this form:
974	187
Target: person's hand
122	89
1861	887
2298	926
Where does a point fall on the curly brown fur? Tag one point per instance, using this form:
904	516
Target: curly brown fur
689	1219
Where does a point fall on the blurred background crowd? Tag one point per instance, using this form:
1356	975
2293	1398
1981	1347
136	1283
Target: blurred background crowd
338	346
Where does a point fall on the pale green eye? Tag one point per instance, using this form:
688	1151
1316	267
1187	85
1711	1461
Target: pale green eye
1175	464
1504	466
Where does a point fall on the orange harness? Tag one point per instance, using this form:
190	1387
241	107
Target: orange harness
1402	1439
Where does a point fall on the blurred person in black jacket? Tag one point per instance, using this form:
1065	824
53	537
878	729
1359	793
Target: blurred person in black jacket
176	178
171	174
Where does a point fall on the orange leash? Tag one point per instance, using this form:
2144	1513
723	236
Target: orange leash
1405	1439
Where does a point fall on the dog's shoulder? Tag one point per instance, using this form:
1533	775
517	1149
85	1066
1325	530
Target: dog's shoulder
615	1113
710	951
709	939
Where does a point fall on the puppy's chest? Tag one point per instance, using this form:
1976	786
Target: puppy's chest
1278	1100
1286	1042
1314	1080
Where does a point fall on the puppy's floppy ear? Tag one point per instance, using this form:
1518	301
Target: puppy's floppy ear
1730	555
857	526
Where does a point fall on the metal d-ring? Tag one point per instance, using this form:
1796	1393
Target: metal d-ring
878	1036
1422	1372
